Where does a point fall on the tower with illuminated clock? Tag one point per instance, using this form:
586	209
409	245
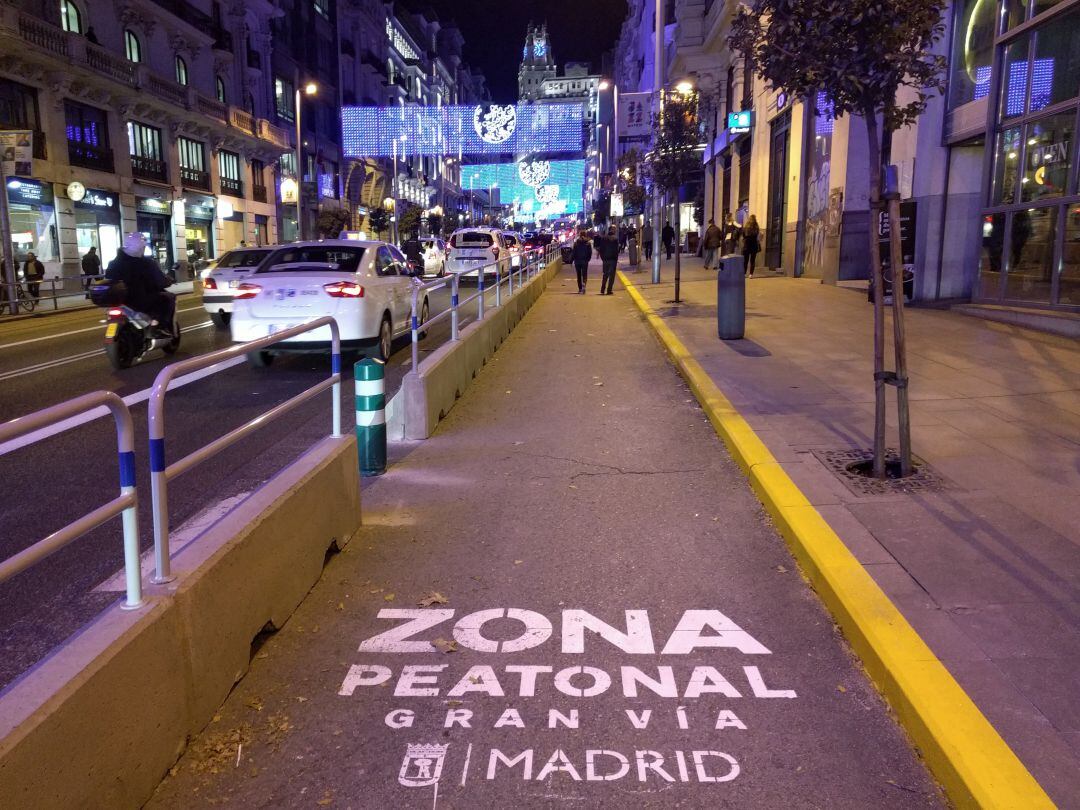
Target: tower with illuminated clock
537	64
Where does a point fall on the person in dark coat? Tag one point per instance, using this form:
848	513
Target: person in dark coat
91	267
751	244
732	235
144	281
582	255
714	237
647	240
667	236
414	251
608	249
33	272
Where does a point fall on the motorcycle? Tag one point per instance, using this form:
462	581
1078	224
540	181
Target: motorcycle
130	335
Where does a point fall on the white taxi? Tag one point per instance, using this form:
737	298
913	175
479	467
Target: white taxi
367	286
219	281
434	252
473	248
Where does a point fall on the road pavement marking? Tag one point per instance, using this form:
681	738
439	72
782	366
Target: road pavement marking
129	400
964	751
74	358
70	333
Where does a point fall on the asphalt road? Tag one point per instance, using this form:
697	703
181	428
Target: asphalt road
48	359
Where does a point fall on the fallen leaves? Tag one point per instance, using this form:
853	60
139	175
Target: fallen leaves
389	597
781	569
442	645
433	598
518	562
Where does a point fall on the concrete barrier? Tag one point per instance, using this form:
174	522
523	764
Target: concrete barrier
99	723
428	394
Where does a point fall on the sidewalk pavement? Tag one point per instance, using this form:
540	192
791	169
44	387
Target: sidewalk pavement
986	568
72	301
443	658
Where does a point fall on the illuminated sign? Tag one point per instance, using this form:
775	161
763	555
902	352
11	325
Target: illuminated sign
740	122
94	198
439	131
28	192
289	191
559	192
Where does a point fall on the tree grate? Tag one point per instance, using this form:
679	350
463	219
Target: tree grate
923	479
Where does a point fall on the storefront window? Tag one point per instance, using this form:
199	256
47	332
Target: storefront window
993	243
1056	71
1044	5
33	220
97	224
1006	165
1069	281
1031	255
972	52
1048	157
1015	79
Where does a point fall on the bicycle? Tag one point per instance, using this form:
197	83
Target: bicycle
24	299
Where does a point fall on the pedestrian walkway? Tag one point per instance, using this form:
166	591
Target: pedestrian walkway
568	595
985	563
67	300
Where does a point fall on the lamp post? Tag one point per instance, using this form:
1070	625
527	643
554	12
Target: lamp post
310	89
396	188
472	199
658	86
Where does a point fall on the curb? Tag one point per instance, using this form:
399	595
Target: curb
964	752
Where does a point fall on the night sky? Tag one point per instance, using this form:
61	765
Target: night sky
494	30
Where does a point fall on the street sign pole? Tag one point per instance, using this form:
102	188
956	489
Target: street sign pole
658	88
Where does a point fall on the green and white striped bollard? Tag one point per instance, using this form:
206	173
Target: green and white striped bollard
370	416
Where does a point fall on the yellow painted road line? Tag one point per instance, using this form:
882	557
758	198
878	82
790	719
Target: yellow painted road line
964	752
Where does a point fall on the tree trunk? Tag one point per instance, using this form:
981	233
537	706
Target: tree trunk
874	156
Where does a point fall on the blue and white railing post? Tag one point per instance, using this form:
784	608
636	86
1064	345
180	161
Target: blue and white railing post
454	306
159	483
129	518
368	376
480	289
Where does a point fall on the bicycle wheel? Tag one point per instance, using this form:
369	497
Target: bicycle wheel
25	301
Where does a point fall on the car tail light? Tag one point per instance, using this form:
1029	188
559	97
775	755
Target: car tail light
344	289
246	291
209	283
115	313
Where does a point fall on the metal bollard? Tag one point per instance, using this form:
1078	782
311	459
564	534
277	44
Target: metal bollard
370	416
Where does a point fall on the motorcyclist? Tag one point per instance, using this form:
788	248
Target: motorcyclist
144	281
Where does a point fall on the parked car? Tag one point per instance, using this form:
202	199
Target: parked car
366	285
434	255
221	280
472	248
515	246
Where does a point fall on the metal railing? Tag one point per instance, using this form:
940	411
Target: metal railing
16	298
161	473
532	263
126	505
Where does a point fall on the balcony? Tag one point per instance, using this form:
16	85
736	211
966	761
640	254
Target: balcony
169	91
268	132
234	188
242	120
144	168
212	108
195	179
110	65
90	157
258	193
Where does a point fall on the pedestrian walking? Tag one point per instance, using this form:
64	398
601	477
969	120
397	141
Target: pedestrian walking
623	235
732	234
582	255
647	240
714	238
751	244
667	236
608	249
33	272
91	268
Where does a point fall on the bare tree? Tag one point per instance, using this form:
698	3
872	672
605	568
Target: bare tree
861	54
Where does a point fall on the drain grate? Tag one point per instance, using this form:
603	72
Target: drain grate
923	479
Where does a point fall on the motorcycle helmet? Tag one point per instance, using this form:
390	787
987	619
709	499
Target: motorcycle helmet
134	244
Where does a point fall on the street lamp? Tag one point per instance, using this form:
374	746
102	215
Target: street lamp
310	89
685	87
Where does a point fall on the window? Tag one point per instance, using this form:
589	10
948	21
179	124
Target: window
283	99
258	176
191	154
87	130
144	141
70	18
229	165
18	106
1047	157
132	48
1055	73
181	71
287	164
219	89
972	51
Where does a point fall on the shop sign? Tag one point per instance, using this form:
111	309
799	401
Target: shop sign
781	100
740	122
192	211
152	205
616	209
98	200
17	151
289	191
28	192
907	233
76	191
635	120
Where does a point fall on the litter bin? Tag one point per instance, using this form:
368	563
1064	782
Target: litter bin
730	298
567	254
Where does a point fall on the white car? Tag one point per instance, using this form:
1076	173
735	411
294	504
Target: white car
515	246
434	255
221	280
473	248
366	286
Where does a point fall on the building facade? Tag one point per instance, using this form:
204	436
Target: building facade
988	174
141	120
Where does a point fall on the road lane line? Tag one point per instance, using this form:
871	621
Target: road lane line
74	358
129	400
71	332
